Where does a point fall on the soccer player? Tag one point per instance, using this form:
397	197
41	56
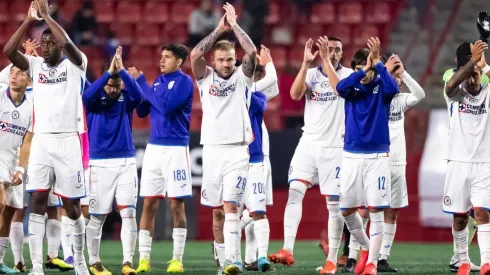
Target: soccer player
109	103
166	166
399	196
16	126
366	171
226	131
467	185
319	151
55	160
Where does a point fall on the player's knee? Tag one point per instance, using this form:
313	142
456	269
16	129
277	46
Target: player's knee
128	213
258	216
177	205
348	212
230	207
85	211
96	222
390	215
481	216
333	208
218	214
297	192
150	206
460	221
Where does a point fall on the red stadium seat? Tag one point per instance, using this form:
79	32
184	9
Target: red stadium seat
295	56
323	13
8	30
143	57
18	10
70	8
124	32
155	12
341	31
306	32
181	11
379	12
279	57
177	33
350	12
140	123
274	14
196	118
4	12
130	11
104	11
362	33
148	34
347	54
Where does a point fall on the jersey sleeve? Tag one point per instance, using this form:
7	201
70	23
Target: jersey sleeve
31	119
82	69
208	73
35	63
310	79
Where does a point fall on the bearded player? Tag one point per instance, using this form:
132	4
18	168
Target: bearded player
226	131
56	155
319	152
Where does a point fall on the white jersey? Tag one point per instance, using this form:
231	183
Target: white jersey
225	105
324	110
15	122
57	95
469	132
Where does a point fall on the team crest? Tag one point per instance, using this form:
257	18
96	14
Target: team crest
171	84
447	200
376	90
92	203
15	114
52	72
325	84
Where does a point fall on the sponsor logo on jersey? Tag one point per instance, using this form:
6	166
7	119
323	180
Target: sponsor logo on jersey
472	109
396	116
222	92
52	80
328	96
12	128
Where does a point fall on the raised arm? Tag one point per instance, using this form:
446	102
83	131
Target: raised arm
333	78
96	90
134	92
143	110
249	60
198	64
299	87
477	50
71	51
416	92
390	87
258	102
270	79
25	150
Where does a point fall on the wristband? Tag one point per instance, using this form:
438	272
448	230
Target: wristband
486	69
19	169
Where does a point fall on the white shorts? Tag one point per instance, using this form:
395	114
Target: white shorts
84	201
225	171
312	163
268	181
467	186
109	182
55	163
14	195
399	194
166	172
53	200
256	189
365	181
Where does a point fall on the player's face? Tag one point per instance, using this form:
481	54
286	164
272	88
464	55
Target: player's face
113	88
168	62
369	74
335	52
472	82
18	79
51	50
224	62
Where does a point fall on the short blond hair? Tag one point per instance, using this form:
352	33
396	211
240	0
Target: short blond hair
224	45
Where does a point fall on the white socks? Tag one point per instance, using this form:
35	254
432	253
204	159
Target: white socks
78	239
66	237
262	232
37	227
53	236
179	235
335	229
17	241
293	213
484	242
354	245
219	251
4	244
94	235
250	244
388	238
129	230
144	244
376	231
354	224
230	232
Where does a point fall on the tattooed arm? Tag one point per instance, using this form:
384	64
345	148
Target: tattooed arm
198	64
249	60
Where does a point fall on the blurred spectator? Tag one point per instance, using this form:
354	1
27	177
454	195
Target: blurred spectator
291	110
40	26
304	8
84	28
111	44
257	10
202	22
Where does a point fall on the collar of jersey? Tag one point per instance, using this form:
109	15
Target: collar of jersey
10	97
176	73
62	59
228	76
339	67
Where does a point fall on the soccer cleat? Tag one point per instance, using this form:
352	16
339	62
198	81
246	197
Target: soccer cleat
464	269
384	266
240	266
81	269
70	260
454	264
99	269
370	270
20	267
175	266
361	264
263	264
282	257
329	268
485	269
349	266
36	271
215	255
252	266
324	247
342	261
144	266
57	263
231	269
7	270
127	269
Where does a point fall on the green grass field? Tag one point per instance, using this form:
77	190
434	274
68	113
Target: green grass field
408	258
